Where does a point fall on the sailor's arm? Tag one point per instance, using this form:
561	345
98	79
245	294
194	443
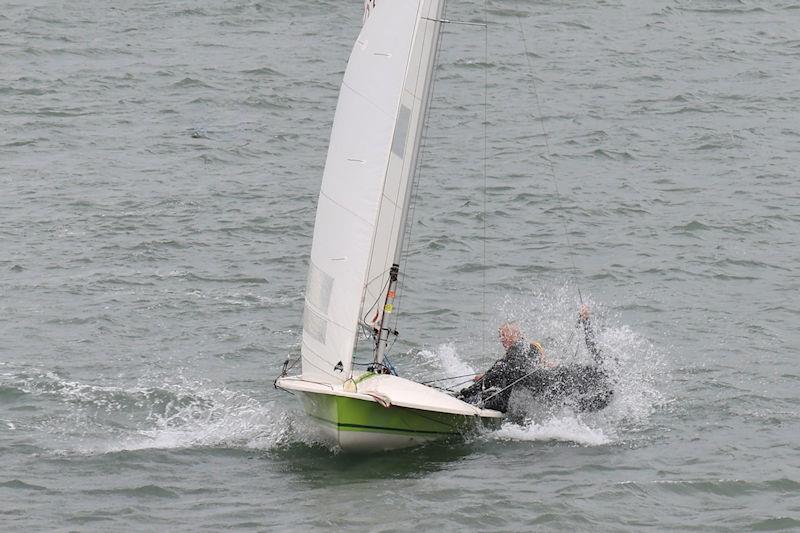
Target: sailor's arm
588	332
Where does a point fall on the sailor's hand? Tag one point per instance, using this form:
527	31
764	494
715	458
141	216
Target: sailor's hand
583	313
478	377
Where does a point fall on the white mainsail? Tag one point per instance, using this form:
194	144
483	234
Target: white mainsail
366	184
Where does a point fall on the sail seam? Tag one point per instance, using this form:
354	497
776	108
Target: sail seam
373	104
307	360
323	193
327	317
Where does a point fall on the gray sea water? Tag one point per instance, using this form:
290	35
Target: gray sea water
159	168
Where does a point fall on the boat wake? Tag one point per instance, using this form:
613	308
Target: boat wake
219	419
177	413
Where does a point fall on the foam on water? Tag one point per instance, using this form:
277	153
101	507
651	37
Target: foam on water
174	413
222	418
567	428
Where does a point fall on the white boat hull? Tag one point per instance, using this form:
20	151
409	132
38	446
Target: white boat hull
382	412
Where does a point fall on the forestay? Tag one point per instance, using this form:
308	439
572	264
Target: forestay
366	184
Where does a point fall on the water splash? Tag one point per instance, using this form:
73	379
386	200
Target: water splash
567	428
634	364
166	413
444	361
217	418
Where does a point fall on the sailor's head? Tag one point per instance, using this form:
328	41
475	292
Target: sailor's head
510	334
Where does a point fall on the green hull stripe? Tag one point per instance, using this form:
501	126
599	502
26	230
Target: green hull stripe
362	427
347	414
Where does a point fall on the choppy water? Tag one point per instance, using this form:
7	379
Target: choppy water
159	166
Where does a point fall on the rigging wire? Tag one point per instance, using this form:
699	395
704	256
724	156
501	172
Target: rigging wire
381	294
485	160
551	166
362	324
415	183
446	378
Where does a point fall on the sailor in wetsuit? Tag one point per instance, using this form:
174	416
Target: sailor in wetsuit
524	366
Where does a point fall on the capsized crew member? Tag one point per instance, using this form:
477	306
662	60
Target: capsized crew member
586	387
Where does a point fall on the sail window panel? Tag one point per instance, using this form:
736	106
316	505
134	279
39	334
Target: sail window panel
397	174
400	171
314	324
325	357
410	156
401	131
318	288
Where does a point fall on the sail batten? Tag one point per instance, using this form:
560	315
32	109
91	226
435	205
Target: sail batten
363	199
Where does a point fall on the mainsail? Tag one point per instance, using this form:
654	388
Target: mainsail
363	202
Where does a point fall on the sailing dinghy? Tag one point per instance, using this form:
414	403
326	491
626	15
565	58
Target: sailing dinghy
358	239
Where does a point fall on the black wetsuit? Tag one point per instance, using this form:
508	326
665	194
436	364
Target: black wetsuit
494	388
585	387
